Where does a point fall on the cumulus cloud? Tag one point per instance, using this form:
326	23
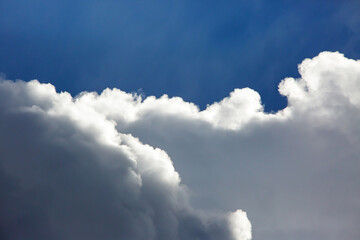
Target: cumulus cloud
295	171
91	166
67	173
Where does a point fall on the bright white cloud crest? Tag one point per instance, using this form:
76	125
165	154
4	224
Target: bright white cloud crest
89	160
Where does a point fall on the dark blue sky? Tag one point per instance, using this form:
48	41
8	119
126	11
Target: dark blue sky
199	50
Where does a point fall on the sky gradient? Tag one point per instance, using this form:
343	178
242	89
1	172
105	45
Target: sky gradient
199	50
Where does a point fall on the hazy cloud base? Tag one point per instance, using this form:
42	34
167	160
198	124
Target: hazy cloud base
91	166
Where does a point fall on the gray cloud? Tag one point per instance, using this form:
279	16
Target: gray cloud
67	173
295	171
83	164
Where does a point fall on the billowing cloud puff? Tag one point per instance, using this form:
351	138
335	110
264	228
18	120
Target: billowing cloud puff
91	166
67	173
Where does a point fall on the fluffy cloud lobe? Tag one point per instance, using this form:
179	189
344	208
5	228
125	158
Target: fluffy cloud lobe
67	173
92	166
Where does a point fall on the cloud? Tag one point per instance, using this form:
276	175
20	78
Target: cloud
91	166
67	173
295	171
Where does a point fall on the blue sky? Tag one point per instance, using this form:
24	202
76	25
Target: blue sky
198	50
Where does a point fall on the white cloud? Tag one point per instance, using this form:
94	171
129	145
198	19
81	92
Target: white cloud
67	173
240	225
295	171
